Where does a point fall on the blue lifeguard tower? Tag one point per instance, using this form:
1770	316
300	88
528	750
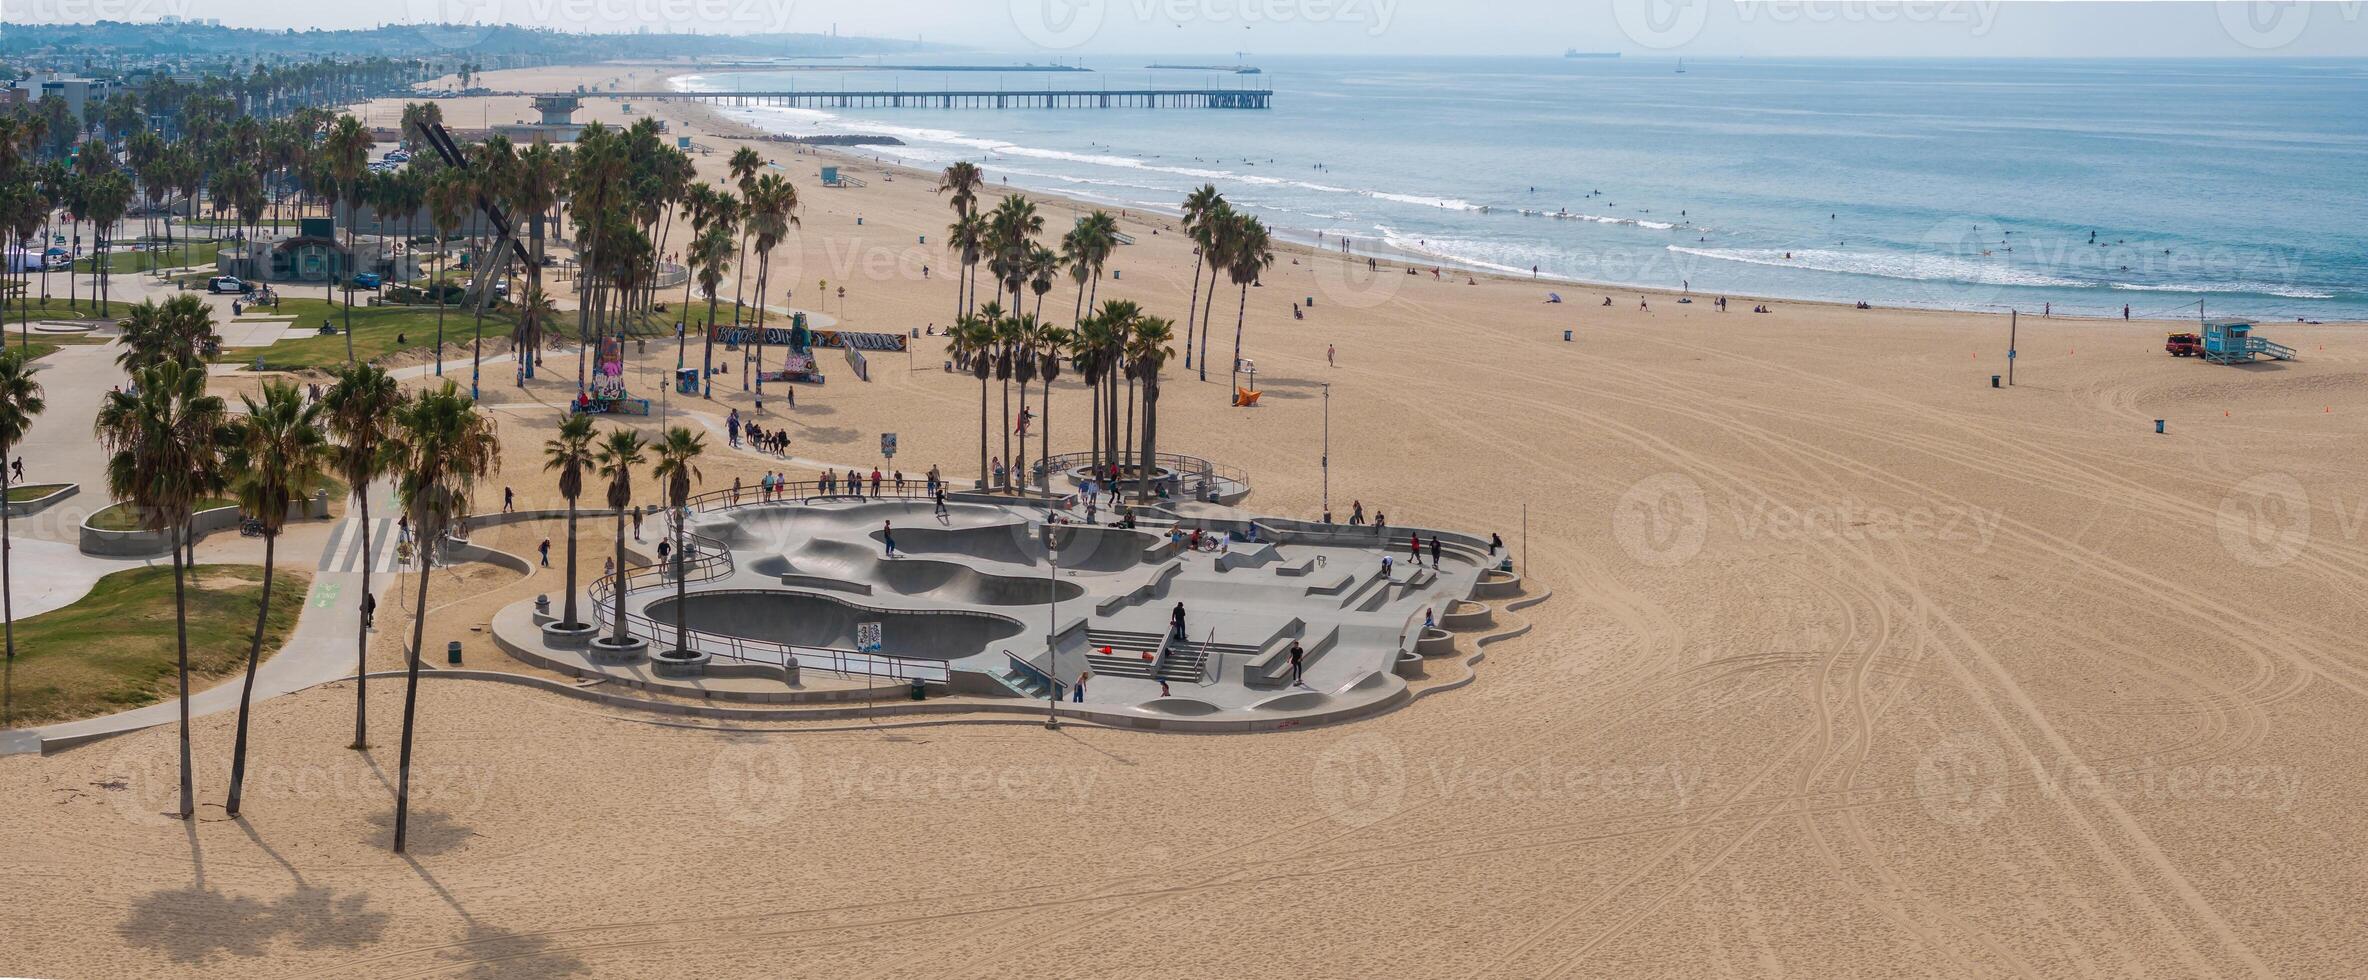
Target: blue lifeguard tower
2232	342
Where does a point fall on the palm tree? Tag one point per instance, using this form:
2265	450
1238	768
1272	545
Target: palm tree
617	457
966	238
1249	255
743	167
161	444
449	195
440	446
712	256
678	456
20	400
179	330
348	153
533	192
276	453
1052	344
1086	346
962	179
361	406
972	343
1216	234
1199	207
571	455
773	205
1149	355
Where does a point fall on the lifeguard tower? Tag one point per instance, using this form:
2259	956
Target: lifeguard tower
2232	342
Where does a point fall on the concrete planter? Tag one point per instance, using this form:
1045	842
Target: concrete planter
27	508
606	649
1409	664
139	543
568	637
1434	642
1465	615
678	663
1496	585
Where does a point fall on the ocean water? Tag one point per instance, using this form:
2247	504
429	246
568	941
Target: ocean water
2239	187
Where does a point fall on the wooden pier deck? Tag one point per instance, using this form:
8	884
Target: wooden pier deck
1129	98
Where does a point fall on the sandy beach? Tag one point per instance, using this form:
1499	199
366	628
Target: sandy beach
1855	666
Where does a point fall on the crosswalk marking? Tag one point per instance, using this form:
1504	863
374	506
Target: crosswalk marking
344	552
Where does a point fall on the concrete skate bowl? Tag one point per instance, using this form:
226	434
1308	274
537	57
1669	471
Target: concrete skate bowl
804	619
1088	548
773	527
821	562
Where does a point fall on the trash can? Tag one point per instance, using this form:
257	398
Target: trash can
2158	427
1993	381
452	652
1566	336
920	690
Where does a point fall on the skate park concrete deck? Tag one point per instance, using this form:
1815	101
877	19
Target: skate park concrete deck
972	592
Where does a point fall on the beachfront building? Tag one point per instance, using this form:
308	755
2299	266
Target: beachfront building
316	253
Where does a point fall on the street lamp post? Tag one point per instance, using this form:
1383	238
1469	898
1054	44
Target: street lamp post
1052	595
1326	459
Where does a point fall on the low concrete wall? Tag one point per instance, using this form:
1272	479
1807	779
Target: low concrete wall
27	508
144	543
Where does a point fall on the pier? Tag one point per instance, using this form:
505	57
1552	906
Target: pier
1132	98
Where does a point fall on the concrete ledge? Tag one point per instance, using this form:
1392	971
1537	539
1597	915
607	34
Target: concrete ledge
606	649
27	508
1465	615
679	663
1496	585
141	543
1434	642
570	637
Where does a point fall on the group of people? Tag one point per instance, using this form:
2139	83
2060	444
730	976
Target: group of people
735	430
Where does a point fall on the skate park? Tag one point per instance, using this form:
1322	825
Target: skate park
799	598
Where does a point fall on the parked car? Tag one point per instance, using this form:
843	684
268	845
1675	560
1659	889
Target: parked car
229	284
368	280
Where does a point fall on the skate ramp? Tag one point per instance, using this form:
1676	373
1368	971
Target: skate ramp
812	620
1087	548
943	581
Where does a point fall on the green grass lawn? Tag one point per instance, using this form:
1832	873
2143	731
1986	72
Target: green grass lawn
53	308
32	491
376	332
123	517
115	649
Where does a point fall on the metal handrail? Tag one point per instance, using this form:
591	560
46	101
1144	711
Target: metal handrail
1028	666
804	490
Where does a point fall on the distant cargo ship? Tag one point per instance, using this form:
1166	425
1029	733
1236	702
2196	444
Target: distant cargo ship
1576	53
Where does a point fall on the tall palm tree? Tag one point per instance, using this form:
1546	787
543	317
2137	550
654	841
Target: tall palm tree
1199	207
361	406
348	154
449	196
570	454
971	343
712	256
1052	344
966	238
20	400
1250	254
1148	357
678	456
534	192
773	205
275	453
162	452
440	446
962	179
743	167
617	457
1007	341
1217	235
1086	346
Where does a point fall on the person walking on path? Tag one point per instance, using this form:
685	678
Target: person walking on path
1434	550
545	549
509	500
888	537
1298	678
1077	690
369	611
939	493
875	481
1414	546
1356	513
637	527
1176	623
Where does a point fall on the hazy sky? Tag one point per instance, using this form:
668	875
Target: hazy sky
1042	29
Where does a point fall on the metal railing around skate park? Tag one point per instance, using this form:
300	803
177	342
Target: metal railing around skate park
1185	467
807	491
710	560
